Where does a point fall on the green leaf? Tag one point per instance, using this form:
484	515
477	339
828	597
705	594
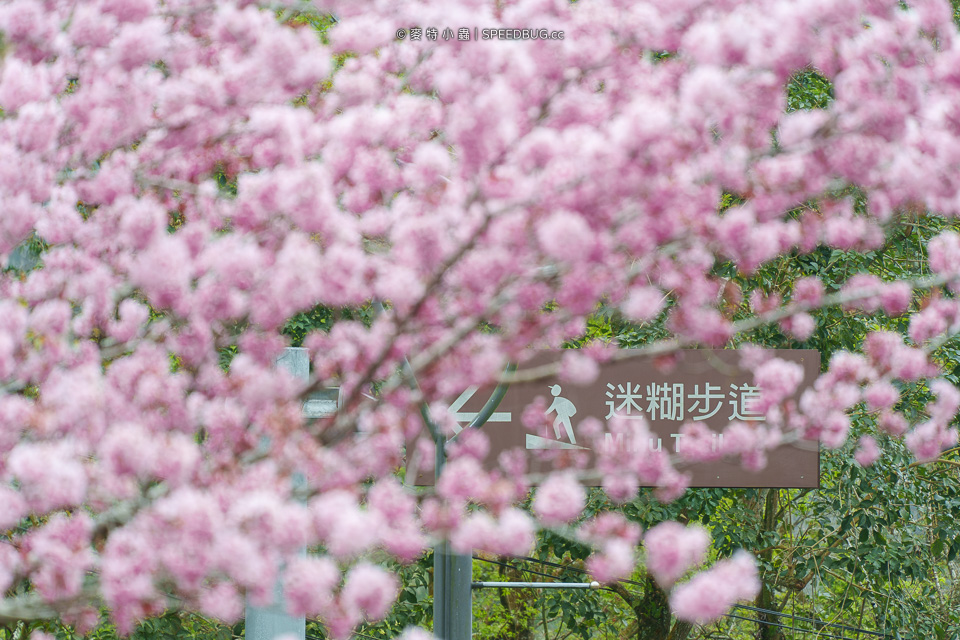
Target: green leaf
937	547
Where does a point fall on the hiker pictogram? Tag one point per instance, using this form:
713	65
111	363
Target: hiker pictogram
565	410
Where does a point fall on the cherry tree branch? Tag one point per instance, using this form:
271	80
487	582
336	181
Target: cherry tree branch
31	607
671	345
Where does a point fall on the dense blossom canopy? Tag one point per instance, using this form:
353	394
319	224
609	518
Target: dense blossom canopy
194	173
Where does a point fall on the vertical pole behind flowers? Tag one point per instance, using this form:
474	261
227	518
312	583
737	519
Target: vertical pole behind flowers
273	621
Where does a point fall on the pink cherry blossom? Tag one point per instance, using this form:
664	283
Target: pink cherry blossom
12	507
559	500
867	451
777	379
511	533
672	549
880	395
369	589
61	552
700	444
944	408
309	585
50	474
708	595
643	304
343	525
893	423
896	297
808	291
609	525
564	235
578	368
614	561
801	325
416	633
929	439
9	564
945	254
222	602
935	319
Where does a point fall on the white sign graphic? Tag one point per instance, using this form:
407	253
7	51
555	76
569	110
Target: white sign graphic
665	401
564	410
466	416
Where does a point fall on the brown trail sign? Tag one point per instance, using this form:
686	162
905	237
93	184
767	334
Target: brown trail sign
705	386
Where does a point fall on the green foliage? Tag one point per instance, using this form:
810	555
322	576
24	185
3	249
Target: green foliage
808	89
226	181
542	613
26	256
176	220
227	354
171	625
306	15
413	608
322	318
303	323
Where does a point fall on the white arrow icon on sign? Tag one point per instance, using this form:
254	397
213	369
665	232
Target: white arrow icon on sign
463	416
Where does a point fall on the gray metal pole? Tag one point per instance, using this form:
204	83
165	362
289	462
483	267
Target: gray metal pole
537	585
453	572
452	604
267	623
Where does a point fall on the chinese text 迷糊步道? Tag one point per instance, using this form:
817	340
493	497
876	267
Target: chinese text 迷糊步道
677	401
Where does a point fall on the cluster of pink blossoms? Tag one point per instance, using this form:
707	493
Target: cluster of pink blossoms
197	172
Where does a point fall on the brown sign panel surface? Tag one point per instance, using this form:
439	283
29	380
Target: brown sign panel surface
705	386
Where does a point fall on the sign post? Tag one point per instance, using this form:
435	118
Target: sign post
267	623
453	572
